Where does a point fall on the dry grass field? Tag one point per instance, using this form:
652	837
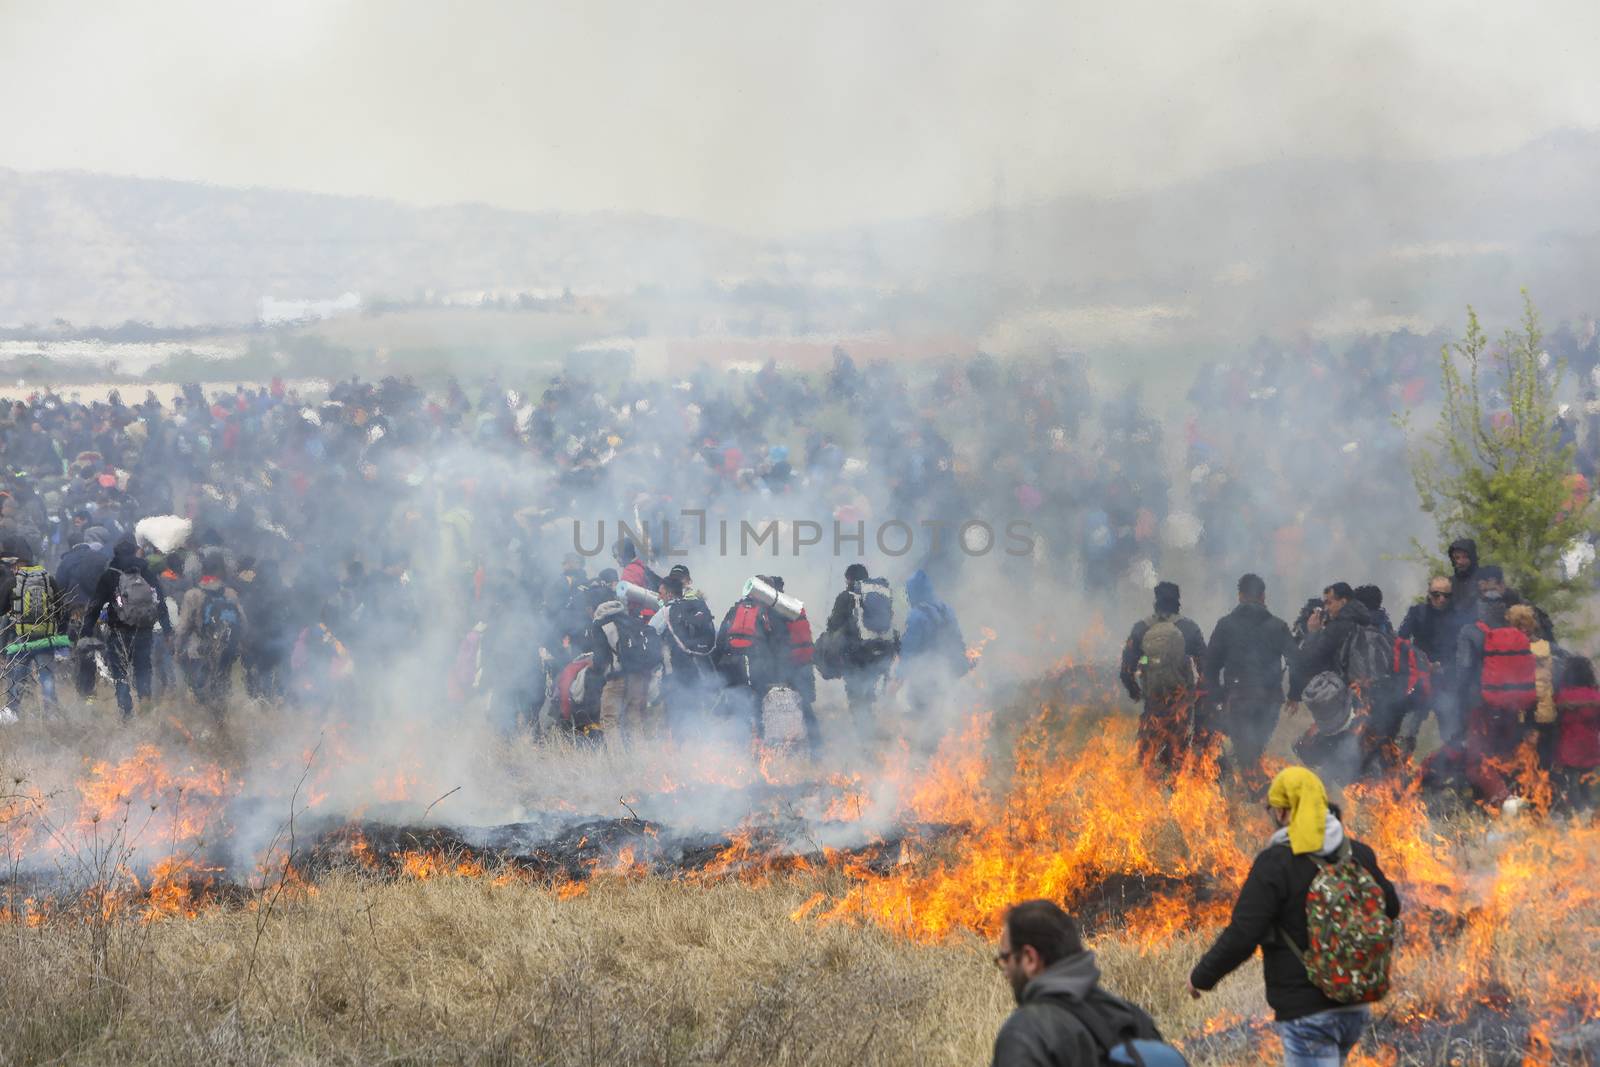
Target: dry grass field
456	960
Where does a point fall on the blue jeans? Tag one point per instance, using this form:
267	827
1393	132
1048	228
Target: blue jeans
1322	1040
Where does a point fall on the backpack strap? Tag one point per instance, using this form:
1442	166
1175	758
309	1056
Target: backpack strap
1098	1026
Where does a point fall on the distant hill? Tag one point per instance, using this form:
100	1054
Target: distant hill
94	249
1327	246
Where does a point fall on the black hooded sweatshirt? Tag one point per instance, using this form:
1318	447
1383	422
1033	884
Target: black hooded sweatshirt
1042	1033
1464	584
124	559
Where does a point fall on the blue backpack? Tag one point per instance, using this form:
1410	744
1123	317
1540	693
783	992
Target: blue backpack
220	623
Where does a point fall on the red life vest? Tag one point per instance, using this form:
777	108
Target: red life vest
1508	669
801	649
742	630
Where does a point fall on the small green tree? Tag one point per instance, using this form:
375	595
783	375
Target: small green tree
1499	474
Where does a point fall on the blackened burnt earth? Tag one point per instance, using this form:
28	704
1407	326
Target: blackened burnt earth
576	851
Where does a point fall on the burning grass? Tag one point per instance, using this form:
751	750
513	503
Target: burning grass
847	916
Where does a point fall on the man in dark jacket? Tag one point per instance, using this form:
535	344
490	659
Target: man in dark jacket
1464	580
1272	906
1056	982
127	641
1428	625
866	660
1167	683
1432	627
1328	631
689	683
1244	673
566	606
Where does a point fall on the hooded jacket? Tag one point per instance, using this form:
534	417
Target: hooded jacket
1042	1033
1272	905
931	628
1322	649
1464	584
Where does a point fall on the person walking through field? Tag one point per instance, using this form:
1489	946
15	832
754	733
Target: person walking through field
1245	661
1064	1017
1161	665
1323	914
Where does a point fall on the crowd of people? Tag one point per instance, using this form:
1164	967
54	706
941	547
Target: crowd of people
266	544
1473	655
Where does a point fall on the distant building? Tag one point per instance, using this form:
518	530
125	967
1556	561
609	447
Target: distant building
274	311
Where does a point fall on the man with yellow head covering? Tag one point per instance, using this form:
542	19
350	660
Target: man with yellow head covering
1308	838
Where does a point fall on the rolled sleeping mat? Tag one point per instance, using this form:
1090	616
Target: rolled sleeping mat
629	593
783	604
16	648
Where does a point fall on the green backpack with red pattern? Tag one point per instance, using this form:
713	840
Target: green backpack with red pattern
1351	937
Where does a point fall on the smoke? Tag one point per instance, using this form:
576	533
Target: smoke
771	120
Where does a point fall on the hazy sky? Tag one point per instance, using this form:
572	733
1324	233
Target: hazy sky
773	117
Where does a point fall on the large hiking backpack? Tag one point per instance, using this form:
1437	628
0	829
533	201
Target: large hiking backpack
135	605
1350	937
689	625
874	618
1509	671
1164	666
579	708
32	613
1118	1049
220	622
638	646
1366	660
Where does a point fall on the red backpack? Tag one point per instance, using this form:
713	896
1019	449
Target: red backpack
742	630
1508	669
1413	668
801	649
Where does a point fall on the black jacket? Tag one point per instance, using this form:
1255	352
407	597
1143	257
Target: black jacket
1248	648
1041	1033
1464	584
1433	632
1321	649
1274	898
1194	643
124	561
